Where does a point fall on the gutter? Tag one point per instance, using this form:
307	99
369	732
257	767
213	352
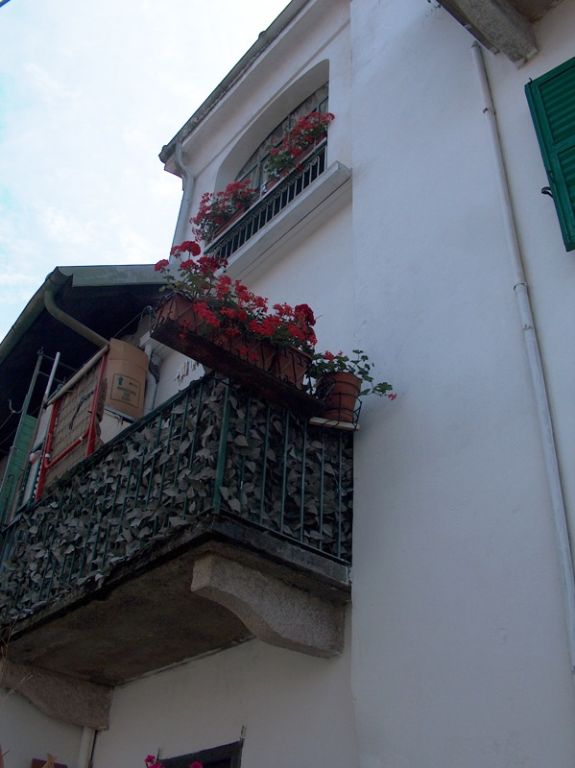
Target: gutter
265	39
63	317
79	276
187	193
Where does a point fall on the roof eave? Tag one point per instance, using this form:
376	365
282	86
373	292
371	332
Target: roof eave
263	42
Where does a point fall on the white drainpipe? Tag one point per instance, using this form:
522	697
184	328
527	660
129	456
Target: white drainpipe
188	189
521	292
86	747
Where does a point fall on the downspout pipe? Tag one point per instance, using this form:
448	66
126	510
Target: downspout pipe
532	348
187	193
86	747
68	320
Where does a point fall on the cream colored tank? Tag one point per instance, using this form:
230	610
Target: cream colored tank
126	371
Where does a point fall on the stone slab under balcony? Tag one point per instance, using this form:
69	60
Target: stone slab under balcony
502	25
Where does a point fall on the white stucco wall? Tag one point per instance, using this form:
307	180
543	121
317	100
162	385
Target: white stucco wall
459	646
292	710
25	733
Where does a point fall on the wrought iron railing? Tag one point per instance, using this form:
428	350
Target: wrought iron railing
271	205
212	451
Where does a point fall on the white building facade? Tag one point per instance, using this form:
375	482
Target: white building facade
426	241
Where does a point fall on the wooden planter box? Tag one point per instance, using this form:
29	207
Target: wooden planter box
290	365
248	360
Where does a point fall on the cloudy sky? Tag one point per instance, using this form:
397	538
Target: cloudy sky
90	90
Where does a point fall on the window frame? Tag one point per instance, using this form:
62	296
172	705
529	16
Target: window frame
209	757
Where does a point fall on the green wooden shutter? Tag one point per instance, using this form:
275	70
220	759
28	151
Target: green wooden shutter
552	102
16	467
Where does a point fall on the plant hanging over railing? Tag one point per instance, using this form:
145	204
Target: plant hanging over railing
307	132
217	209
225	313
360	366
229	309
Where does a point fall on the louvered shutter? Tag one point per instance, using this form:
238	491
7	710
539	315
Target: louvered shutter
17	465
552	102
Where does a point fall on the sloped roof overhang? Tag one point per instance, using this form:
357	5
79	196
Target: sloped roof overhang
263	42
107	299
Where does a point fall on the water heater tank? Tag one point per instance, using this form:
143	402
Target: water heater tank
126	370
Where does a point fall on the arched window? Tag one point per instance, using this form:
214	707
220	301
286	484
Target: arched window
254	169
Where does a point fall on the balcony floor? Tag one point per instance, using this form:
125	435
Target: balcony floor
143	624
148	618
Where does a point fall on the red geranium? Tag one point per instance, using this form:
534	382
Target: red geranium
217	208
188	246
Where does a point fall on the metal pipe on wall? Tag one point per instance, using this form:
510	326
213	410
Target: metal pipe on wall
187	193
521	292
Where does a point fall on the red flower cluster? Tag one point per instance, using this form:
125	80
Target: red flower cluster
305	133
228	313
229	308
152	761
197	277
188	246
218	208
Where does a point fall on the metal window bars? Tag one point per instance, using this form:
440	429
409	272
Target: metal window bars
271	204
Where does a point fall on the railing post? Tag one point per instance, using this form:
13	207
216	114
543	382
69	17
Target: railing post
222	451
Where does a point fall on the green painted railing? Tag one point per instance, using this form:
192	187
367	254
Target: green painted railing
212	450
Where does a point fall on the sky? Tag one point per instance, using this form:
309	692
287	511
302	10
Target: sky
89	94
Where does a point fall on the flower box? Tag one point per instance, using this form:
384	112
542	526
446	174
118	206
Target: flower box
290	365
273	371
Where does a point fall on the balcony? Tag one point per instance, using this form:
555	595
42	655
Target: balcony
307	190
182	536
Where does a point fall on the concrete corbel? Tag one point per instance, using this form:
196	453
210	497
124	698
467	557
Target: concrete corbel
273	611
63	698
496	24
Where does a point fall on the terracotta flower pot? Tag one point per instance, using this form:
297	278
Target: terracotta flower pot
339	391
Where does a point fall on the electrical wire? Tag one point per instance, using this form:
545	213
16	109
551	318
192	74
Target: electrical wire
146	311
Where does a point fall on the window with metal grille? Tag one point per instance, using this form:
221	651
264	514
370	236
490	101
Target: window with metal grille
254	169
226	756
551	100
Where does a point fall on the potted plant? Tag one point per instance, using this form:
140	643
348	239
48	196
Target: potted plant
291	330
218	209
341	379
296	144
205	304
